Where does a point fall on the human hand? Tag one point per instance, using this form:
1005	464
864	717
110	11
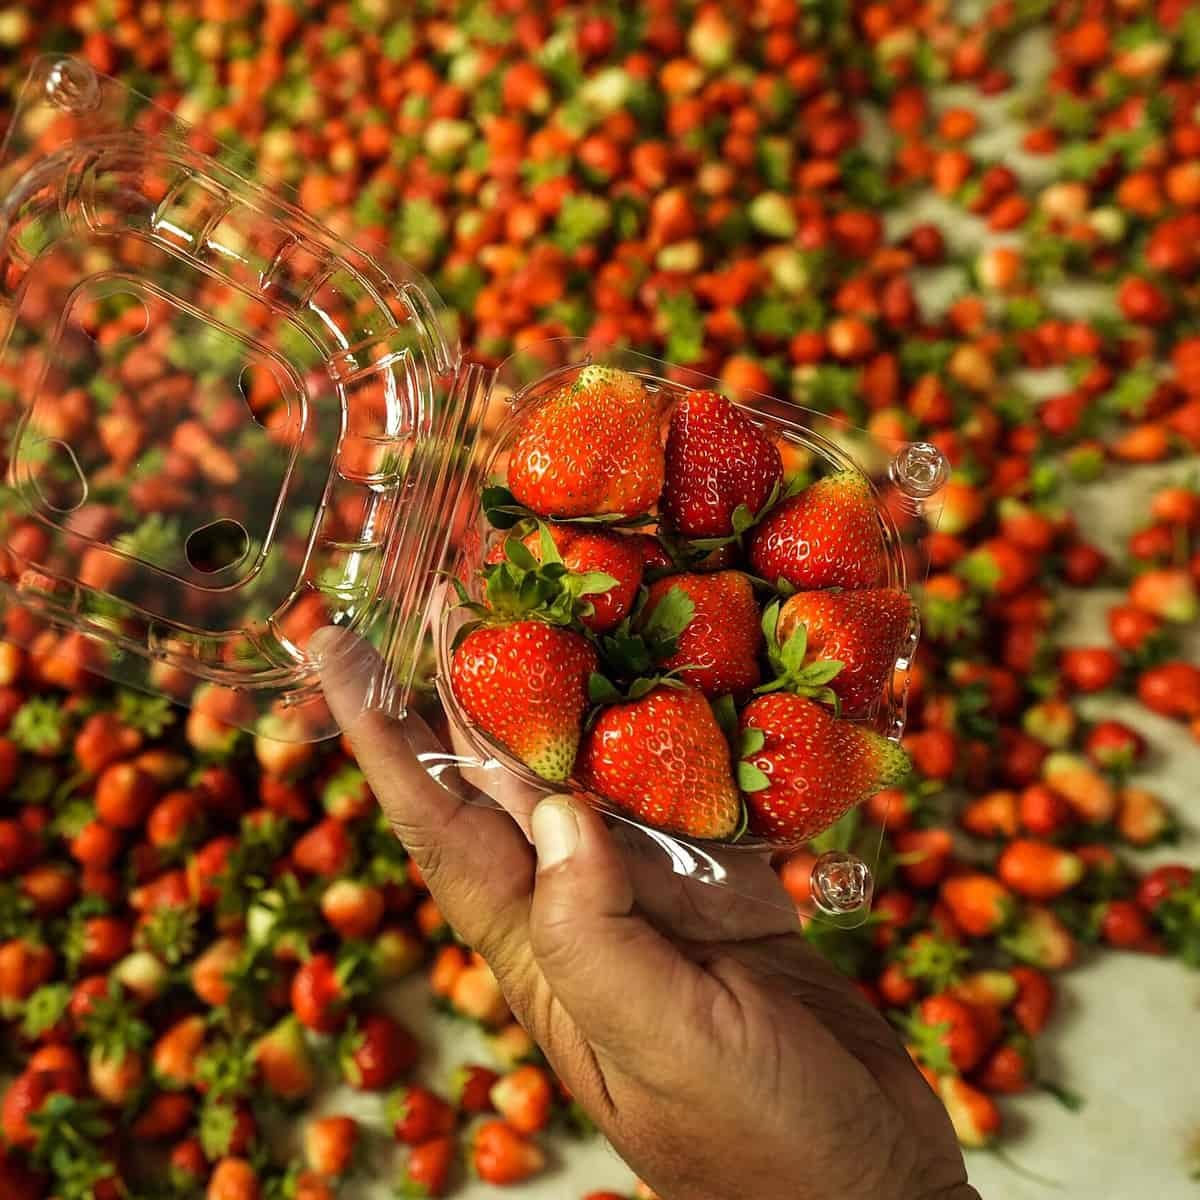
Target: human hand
720	1055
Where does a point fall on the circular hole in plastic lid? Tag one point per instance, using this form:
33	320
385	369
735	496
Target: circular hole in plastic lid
216	546
57	476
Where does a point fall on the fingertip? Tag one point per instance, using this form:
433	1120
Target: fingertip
555	829
350	671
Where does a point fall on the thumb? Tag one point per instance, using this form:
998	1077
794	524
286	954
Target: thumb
621	981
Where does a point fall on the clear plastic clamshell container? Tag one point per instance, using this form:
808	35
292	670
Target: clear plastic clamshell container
225	427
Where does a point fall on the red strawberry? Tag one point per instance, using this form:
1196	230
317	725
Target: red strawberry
1035	999
948	1033
1038	869
25	1096
24	966
325	850
473	1088
664	758
501	1155
717	461
1009	1068
592	447
427	1171
318	999
1041	940
233	1179
417	1115
174	1057
979	904
285	1066
587	552
352	908
523	1098
864	631
526	684
380	1051
124	795
717	650
802	768
103	739
329	1144
167	1114
975	1117
825	536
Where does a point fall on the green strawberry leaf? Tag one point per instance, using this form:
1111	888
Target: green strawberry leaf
500	507
752	742
725	714
645	685
667	621
750	778
742	519
601	689
743	824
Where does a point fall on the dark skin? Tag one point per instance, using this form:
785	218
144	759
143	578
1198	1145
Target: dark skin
720	1055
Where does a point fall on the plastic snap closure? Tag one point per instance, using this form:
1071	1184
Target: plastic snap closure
73	86
919	470
841	883
215	546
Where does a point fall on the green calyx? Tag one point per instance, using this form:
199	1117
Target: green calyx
521	586
751	778
792	673
743	518
645	639
503	510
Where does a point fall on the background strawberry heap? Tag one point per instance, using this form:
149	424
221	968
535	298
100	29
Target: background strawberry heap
805	199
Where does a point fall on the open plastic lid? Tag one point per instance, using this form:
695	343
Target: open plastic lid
215	416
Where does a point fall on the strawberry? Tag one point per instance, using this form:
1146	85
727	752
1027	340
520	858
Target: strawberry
592	447
325	850
1168	593
1143	818
25	1096
233	1179
526	685
346	796
1008	1069
212	970
825	536
979	904
523	1098
864	630
663	758
473	1088
975	1117
1041	940
166	1114
1171	689
1114	746
124	795
1090	796
353	909
176	821
802	768
993	815
1038	870
1042	811
604	572
717	462
1162	882
511	1046
427	1171
24	966
329	1144
501	1155
717	648
285	1066
947	1033
1035	999
417	1114
104	739
377	1052
923	855
475	993
1123	925
173	1059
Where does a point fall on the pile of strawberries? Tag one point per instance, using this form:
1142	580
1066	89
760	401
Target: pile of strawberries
693	182
697	670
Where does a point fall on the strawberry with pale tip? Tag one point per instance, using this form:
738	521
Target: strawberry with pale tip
525	684
1039	870
801	769
1166	592
329	1144
523	1098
